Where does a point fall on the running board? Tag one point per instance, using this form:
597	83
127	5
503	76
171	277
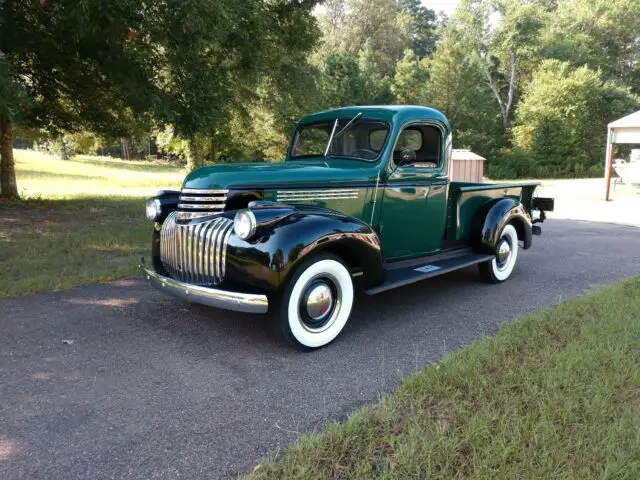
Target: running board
397	277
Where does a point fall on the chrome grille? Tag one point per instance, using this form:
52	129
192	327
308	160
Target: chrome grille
195	252
208	200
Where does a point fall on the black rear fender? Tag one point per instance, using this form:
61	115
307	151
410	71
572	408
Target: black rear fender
491	218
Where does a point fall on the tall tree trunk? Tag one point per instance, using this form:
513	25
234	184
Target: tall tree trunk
8	185
196	153
125	148
504	104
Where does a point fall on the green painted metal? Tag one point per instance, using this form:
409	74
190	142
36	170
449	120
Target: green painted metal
466	198
413	219
293	174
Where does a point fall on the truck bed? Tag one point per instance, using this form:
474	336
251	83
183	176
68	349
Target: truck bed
465	198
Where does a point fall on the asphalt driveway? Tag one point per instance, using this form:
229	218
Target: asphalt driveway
115	380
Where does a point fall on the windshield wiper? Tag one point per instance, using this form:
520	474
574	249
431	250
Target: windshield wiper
335	135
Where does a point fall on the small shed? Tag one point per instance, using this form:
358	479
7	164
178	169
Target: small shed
624	130
466	166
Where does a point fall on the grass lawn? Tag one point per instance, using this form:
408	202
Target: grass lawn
555	394
82	220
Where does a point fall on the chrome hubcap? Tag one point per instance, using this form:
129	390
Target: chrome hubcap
503	254
319	301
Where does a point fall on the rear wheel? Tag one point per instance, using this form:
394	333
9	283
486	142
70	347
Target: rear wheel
316	304
500	268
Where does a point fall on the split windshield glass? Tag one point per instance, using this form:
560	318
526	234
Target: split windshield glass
363	139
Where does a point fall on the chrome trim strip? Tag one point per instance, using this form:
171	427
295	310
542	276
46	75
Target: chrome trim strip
317	194
237	301
335	194
325	195
375	196
196	190
319	191
218	206
184	198
185	216
299	199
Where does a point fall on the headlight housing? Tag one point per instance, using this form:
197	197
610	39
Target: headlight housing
154	209
244	224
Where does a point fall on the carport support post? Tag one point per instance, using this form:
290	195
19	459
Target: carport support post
608	164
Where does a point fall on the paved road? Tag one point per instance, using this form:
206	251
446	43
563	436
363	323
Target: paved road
154	388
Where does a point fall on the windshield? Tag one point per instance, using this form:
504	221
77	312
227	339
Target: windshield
364	139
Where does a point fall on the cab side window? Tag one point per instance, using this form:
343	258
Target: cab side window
424	140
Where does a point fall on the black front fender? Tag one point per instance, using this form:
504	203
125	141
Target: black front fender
268	260
491	218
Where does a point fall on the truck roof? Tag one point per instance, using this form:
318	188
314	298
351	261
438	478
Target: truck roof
388	113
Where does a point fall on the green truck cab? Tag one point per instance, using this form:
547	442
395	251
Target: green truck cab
362	201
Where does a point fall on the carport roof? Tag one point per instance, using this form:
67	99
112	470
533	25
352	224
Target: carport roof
632	120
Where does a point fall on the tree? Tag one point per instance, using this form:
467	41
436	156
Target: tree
563	117
187	64
341	80
220	52
410	80
602	34
504	49
422	28
78	65
13	100
385	27
377	85
457	87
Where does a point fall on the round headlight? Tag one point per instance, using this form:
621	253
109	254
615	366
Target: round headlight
244	224
154	209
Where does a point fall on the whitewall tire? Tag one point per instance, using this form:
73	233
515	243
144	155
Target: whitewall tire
316	303
499	269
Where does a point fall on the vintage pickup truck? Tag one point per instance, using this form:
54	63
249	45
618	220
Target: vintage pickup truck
363	201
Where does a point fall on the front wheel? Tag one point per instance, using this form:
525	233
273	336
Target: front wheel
316	303
500	268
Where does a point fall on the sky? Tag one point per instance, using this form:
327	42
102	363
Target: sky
447	6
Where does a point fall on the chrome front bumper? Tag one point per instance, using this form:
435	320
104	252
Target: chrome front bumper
240	302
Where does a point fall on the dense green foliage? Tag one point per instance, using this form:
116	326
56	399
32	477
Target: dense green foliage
530	84
560	121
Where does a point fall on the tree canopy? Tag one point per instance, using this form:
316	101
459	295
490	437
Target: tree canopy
108	66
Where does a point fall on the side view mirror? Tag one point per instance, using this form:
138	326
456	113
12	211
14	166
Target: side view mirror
407	156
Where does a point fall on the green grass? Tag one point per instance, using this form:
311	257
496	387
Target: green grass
82	220
555	394
44	176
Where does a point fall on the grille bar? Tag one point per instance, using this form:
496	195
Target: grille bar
195	252
195	199
202	206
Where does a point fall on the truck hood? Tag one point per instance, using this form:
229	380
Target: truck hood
277	175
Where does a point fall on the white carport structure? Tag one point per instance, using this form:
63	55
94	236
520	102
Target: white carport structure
625	130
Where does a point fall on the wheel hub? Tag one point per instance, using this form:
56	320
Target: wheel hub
503	254
318	301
